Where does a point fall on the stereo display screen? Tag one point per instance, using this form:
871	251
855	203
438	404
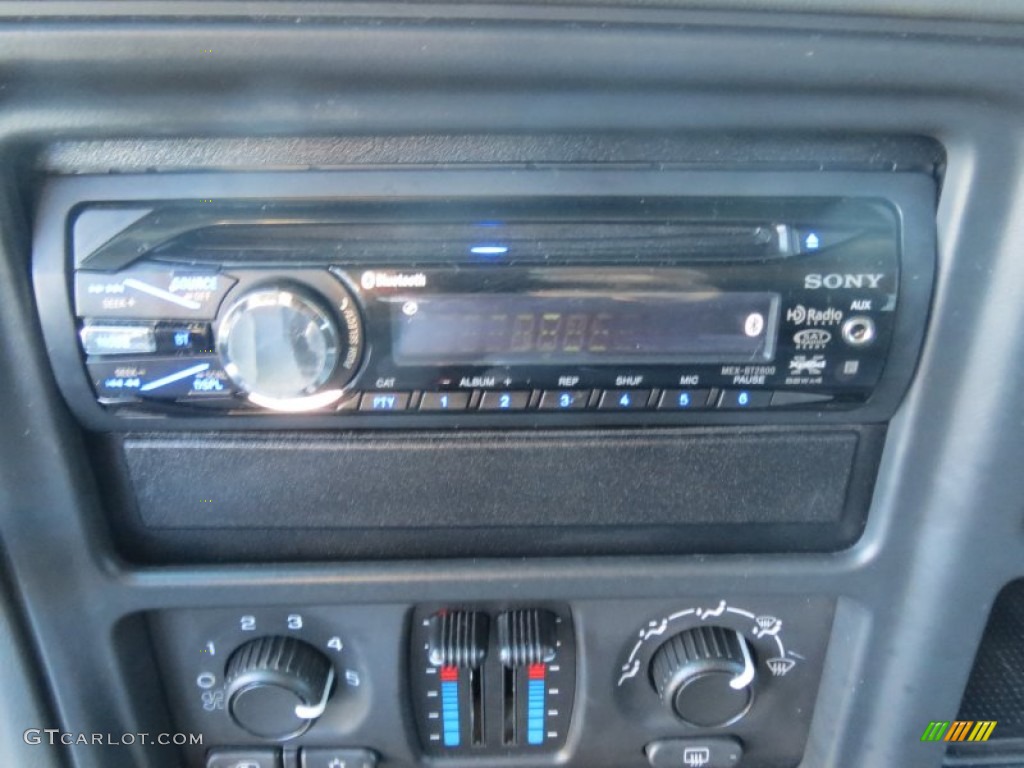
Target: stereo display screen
574	328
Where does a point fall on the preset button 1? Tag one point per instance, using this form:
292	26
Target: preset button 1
444	401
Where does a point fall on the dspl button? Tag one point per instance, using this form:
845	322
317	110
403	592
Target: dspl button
384	402
624	399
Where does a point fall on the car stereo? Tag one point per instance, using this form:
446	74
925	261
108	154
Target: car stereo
354	298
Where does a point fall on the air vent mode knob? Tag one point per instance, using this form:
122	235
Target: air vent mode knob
279	344
276	687
705	675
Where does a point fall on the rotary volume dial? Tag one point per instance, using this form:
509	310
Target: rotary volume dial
705	675
280	345
277	687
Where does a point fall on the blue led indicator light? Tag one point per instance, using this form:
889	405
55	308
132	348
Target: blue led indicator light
743	398
565	400
535	692
812	242
450	706
625	401
182	338
684	399
444	401
505	401
535	712
489	250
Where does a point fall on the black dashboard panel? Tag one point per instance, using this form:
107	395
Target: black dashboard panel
216	498
884	629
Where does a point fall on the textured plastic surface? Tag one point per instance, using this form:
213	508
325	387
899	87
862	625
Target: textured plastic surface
503	493
996	688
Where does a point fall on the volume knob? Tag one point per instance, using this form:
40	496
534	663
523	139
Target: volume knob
705	675
276	687
278	343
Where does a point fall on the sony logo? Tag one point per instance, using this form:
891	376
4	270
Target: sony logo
836	280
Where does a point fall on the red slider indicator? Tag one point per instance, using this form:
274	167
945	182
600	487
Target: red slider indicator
449	674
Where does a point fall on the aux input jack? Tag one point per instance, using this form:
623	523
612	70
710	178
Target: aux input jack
859	331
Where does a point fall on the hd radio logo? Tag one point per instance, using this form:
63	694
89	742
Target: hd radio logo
959	730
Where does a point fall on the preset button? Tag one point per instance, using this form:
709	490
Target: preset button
564	399
683	399
444	401
624	399
738	399
504	401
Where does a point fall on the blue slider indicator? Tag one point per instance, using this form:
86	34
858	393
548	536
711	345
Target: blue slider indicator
535	690
173	377
450	706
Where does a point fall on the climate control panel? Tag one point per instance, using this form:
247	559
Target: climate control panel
487	682
705	681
